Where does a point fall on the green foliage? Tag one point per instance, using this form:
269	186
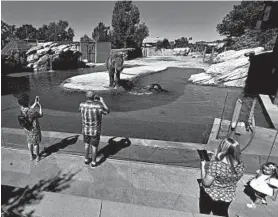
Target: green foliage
163	44
101	33
141	32
26	31
59	31
255	38
243	16
125	19
7	33
181	42
86	38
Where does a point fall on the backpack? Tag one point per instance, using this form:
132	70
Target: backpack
24	121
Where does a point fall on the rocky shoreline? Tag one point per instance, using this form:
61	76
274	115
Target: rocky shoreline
230	69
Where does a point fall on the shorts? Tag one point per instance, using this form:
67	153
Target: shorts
92	140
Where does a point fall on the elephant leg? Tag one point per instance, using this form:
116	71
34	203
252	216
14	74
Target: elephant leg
111	79
117	78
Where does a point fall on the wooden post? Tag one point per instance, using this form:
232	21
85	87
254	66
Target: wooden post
234	121
51	65
204	54
212	53
96	52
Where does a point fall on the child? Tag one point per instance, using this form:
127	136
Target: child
265	183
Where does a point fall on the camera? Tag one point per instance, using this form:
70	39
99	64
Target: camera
96	97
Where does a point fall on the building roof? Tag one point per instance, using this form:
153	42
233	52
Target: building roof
152	40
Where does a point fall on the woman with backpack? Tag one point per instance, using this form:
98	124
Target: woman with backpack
29	121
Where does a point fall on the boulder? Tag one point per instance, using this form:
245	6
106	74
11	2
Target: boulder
32	58
43	51
43	60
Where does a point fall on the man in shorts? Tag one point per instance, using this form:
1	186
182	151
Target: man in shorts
91	112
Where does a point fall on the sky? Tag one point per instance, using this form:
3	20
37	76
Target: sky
166	19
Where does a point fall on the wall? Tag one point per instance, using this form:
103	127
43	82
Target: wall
103	51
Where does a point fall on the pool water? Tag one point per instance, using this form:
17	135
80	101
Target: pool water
184	113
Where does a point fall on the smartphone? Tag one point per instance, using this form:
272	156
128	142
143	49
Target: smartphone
203	154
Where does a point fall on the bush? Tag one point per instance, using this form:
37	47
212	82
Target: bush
256	38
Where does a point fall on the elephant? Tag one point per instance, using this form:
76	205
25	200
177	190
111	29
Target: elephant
114	65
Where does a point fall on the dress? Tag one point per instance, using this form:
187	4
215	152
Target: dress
263	184
33	135
225	181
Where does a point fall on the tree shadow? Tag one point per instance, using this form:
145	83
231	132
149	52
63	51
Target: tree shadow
14	200
60	145
113	147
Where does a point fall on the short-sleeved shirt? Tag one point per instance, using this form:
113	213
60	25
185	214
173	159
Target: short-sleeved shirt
223	187
91	113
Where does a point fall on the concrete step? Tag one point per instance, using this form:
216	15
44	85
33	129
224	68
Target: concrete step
49	204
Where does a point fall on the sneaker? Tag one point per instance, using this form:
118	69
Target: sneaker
87	161
38	158
33	157
93	164
264	201
251	205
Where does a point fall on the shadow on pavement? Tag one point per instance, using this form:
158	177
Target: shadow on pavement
60	145
14	200
113	147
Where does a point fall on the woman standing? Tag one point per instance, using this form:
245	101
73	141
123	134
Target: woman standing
220	177
33	134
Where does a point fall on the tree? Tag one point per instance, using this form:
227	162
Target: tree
181	42
86	38
124	19
163	44
7	33
56	32
26	31
242	17
141	32
101	33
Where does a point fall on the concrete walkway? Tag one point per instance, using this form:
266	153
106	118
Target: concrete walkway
143	150
61	185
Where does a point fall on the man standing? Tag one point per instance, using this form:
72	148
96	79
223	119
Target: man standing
91	112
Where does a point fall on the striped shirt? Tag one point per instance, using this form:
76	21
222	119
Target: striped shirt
91	113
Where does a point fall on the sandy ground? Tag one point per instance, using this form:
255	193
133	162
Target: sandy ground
100	81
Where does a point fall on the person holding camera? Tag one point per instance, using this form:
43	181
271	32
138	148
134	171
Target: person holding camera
91	113
219	178
32	129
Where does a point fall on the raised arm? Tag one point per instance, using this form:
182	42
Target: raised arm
106	108
40	110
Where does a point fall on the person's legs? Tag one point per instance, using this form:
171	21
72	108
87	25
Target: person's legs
220	208
94	143
37	151
31	149
87	148
205	202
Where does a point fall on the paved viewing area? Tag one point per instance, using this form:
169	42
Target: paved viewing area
60	185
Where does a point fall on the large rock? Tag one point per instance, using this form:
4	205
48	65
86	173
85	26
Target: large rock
231	71
232	54
32	58
43	51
